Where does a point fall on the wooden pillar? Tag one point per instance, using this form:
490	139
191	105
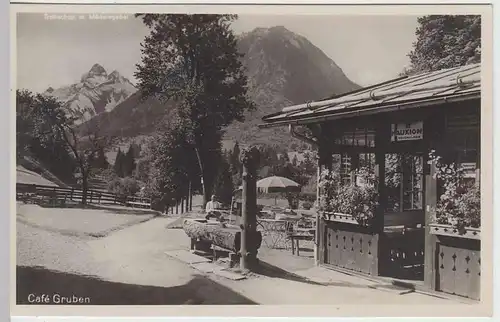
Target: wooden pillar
249	159
382	140
430	240
317	226
324	162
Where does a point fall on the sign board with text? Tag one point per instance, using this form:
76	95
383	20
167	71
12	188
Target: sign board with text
407	131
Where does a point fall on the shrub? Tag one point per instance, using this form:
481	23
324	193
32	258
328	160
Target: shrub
460	203
124	187
357	201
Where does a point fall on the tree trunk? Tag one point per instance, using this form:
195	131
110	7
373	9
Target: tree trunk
84	187
204	189
190	197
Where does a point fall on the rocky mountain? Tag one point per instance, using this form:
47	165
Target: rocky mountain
97	92
283	69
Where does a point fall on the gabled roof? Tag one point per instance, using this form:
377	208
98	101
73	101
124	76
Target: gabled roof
425	89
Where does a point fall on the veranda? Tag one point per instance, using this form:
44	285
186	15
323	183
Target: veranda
390	129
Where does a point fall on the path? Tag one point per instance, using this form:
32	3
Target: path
136	256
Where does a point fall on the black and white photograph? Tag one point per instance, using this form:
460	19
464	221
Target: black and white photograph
252	158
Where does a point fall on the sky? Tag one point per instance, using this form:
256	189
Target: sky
55	52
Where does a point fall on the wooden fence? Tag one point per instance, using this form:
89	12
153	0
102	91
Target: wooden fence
61	195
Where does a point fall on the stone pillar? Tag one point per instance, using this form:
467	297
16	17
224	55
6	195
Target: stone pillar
250	159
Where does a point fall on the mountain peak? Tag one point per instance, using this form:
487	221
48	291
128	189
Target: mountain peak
114	73
97	70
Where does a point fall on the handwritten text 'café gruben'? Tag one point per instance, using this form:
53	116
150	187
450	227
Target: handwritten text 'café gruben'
407	131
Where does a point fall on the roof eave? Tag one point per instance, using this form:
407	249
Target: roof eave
371	110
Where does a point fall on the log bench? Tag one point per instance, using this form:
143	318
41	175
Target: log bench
216	237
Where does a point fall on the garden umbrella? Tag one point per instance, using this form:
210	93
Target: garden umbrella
277	184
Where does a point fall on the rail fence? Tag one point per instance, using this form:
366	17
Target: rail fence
60	195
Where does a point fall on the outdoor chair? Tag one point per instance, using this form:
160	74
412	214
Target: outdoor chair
275	233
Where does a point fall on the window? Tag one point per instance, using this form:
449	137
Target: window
345	169
404	182
463	135
361	137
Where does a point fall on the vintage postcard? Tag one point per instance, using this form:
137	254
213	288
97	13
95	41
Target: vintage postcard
252	160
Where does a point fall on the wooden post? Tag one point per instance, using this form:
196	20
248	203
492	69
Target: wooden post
190	197
382	138
317	226
249	159
430	240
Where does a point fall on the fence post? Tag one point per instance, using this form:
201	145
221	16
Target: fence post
72	191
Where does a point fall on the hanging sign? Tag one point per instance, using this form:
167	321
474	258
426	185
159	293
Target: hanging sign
407	131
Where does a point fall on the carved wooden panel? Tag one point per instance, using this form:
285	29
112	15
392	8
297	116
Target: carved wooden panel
458	270
351	250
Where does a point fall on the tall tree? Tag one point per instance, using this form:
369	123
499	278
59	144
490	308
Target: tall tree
101	162
194	59
118	166
83	146
35	137
445	41
169	162
129	162
223	187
